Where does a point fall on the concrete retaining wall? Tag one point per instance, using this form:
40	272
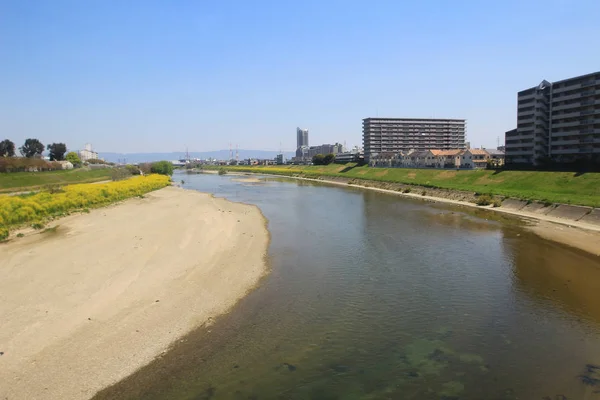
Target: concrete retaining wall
513	204
592	218
537	208
570	212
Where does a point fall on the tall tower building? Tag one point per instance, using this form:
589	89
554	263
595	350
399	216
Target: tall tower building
301	138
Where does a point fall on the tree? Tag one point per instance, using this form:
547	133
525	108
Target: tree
328	159
32	148
73	158
162	167
318	159
7	148
57	151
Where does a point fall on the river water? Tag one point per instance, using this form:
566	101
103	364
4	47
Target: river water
374	296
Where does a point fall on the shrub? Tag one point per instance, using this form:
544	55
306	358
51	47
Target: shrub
73	158
53	188
484	200
22	164
20	235
423	193
497	202
133	170
407	190
162	168
37	225
118	174
222	171
16	210
145	168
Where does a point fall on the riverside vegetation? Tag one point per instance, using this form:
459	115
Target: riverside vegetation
548	187
36	208
21	181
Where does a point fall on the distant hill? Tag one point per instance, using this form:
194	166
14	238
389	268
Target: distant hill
219	155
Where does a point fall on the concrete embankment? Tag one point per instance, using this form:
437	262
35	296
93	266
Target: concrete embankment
89	303
533	209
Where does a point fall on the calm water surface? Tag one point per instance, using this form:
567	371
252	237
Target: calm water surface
372	296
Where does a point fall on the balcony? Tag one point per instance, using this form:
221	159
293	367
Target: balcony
592	82
519	152
565	142
569	124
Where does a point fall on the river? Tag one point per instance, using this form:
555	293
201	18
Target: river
374	296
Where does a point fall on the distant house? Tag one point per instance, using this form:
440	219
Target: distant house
66	164
496	156
87	153
449	158
474	158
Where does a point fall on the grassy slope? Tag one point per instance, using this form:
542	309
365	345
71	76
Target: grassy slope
21	181
555	187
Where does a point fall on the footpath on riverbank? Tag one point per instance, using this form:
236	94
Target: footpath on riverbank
88	303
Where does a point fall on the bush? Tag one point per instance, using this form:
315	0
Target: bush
53	188
16	210
222	171
118	174
133	170
73	158
407	190
22	164
484	200
423	193
162	168
145	168
497	202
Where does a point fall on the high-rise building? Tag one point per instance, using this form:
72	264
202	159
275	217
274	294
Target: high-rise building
557	121
393	135
301	137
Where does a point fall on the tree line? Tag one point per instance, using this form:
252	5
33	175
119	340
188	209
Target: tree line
33	148
321	159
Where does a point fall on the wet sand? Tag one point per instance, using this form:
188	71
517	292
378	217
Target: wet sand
109	291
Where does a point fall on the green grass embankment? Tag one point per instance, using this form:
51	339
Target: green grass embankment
25	181
554	187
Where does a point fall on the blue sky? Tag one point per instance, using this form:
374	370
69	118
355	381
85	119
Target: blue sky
149	76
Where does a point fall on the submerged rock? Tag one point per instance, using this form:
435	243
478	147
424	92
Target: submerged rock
340	368
290	367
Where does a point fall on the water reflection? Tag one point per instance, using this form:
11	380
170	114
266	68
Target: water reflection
375	297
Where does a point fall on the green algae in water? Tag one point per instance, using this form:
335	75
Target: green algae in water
452	389
471	358
419	356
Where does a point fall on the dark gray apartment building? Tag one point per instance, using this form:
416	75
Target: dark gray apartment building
393	135
557	121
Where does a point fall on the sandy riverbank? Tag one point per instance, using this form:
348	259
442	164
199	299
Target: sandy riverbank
577	234
109	291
